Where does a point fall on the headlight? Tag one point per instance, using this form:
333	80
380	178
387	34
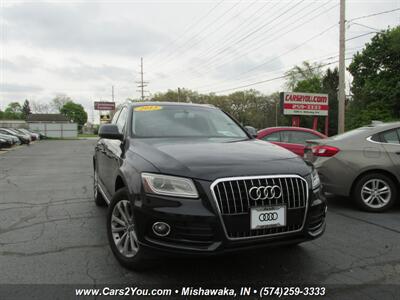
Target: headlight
316	182
169	185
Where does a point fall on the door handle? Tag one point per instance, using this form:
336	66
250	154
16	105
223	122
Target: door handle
398	152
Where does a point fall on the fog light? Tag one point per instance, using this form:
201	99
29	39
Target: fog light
161	229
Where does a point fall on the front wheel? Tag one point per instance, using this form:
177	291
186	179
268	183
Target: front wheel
375	192
121	231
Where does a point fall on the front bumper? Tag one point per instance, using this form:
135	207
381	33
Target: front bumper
196	228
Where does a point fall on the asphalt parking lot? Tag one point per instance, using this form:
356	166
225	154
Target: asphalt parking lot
51	232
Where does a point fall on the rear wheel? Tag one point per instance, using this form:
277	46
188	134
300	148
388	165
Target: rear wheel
375	192
121	231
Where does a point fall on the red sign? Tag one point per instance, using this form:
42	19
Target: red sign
305	104
99	105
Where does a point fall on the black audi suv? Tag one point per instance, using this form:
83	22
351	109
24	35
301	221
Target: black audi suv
189	179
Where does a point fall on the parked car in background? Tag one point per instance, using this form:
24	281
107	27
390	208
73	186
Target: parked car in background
363	163
24	138
4	143
291	138
34	136
10	138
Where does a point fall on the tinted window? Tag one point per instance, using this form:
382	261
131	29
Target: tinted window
122	119
273	137
391	136
184	121
297	137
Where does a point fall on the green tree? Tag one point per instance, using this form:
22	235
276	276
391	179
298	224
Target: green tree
13	111
75	112
376	80
13	107
309	85
26	109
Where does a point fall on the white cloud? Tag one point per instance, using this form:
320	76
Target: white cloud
82	48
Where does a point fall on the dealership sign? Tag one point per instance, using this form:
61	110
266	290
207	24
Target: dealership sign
100	105
304	104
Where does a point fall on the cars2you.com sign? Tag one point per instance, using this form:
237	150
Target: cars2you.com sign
304	104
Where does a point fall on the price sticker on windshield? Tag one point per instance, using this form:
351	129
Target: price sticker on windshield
148	108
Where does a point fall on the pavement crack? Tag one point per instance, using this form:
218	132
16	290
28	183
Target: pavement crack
51	203
11	182
26	254
12	228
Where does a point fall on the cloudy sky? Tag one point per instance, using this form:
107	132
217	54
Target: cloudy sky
82	48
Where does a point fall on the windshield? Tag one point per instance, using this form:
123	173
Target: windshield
183	121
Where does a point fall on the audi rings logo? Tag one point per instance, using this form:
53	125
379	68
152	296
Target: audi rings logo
265	192
268	217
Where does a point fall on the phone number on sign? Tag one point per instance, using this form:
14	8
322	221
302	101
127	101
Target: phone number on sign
292	291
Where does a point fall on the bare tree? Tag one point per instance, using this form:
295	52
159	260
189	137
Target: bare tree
58	102
305	71
40	108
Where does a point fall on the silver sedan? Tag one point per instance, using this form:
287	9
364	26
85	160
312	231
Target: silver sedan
363	164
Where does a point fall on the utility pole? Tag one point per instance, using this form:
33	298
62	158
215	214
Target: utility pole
342	66
179	94
112	93
141	84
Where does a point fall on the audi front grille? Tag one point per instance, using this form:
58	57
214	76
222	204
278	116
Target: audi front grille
235	197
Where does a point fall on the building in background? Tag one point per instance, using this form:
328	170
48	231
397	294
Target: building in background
52	125
13	124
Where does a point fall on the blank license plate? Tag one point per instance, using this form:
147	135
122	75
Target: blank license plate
261	217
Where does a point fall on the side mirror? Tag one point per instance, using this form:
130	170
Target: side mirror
110	131
251	130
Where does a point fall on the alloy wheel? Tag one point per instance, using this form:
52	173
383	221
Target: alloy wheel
123	229
376	193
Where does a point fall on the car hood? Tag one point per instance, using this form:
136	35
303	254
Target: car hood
215	158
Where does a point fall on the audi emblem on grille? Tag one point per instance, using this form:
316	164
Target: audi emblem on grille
268	217
265	192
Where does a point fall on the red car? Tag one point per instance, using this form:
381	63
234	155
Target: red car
291	138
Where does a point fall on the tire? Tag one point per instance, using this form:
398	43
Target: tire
134	257
98	197
375	192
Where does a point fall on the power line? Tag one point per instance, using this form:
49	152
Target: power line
319	61
290	50
182	47
193	25
229	35
226	46
376	14
270	79
272	37
228	38
218	29
256	30
361	35
362	25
